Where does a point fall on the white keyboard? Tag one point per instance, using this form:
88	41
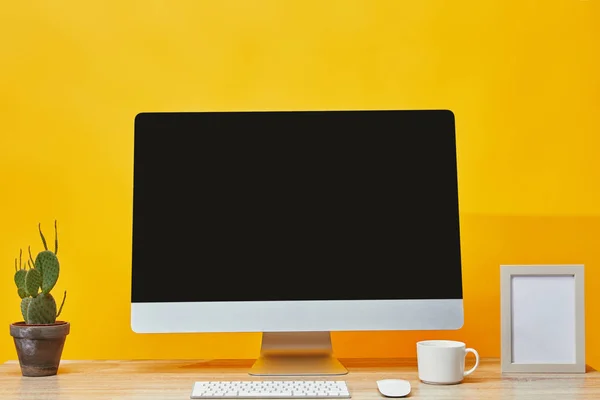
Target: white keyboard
283	389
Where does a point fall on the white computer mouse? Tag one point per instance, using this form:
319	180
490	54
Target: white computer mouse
393	387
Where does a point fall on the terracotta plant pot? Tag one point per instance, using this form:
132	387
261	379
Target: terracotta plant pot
39	347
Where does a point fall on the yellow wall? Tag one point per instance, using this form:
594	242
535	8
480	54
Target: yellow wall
521	76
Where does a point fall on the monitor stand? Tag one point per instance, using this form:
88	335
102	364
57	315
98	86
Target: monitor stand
296	354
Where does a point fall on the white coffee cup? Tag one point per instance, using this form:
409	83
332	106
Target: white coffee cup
442	362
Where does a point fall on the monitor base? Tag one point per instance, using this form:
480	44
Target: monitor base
297	354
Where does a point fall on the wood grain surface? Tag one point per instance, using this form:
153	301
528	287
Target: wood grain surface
165	380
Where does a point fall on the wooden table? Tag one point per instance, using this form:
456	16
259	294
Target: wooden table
164	380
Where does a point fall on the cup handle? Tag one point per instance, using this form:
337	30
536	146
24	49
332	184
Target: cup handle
467	351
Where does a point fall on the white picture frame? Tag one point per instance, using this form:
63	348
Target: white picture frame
542	318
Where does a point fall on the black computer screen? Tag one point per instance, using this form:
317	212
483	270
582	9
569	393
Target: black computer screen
298	205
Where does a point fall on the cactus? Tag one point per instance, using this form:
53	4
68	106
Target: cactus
47	263
24	306
19	276
41	309
35	280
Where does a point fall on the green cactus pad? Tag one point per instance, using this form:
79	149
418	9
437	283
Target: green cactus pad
33	281
20	278
42	309
24	306
47	263
22	293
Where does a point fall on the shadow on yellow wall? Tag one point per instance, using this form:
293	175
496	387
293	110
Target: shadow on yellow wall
521	79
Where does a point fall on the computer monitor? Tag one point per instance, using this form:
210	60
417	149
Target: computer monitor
295	224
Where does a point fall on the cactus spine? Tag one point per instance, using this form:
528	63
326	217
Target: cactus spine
35	280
